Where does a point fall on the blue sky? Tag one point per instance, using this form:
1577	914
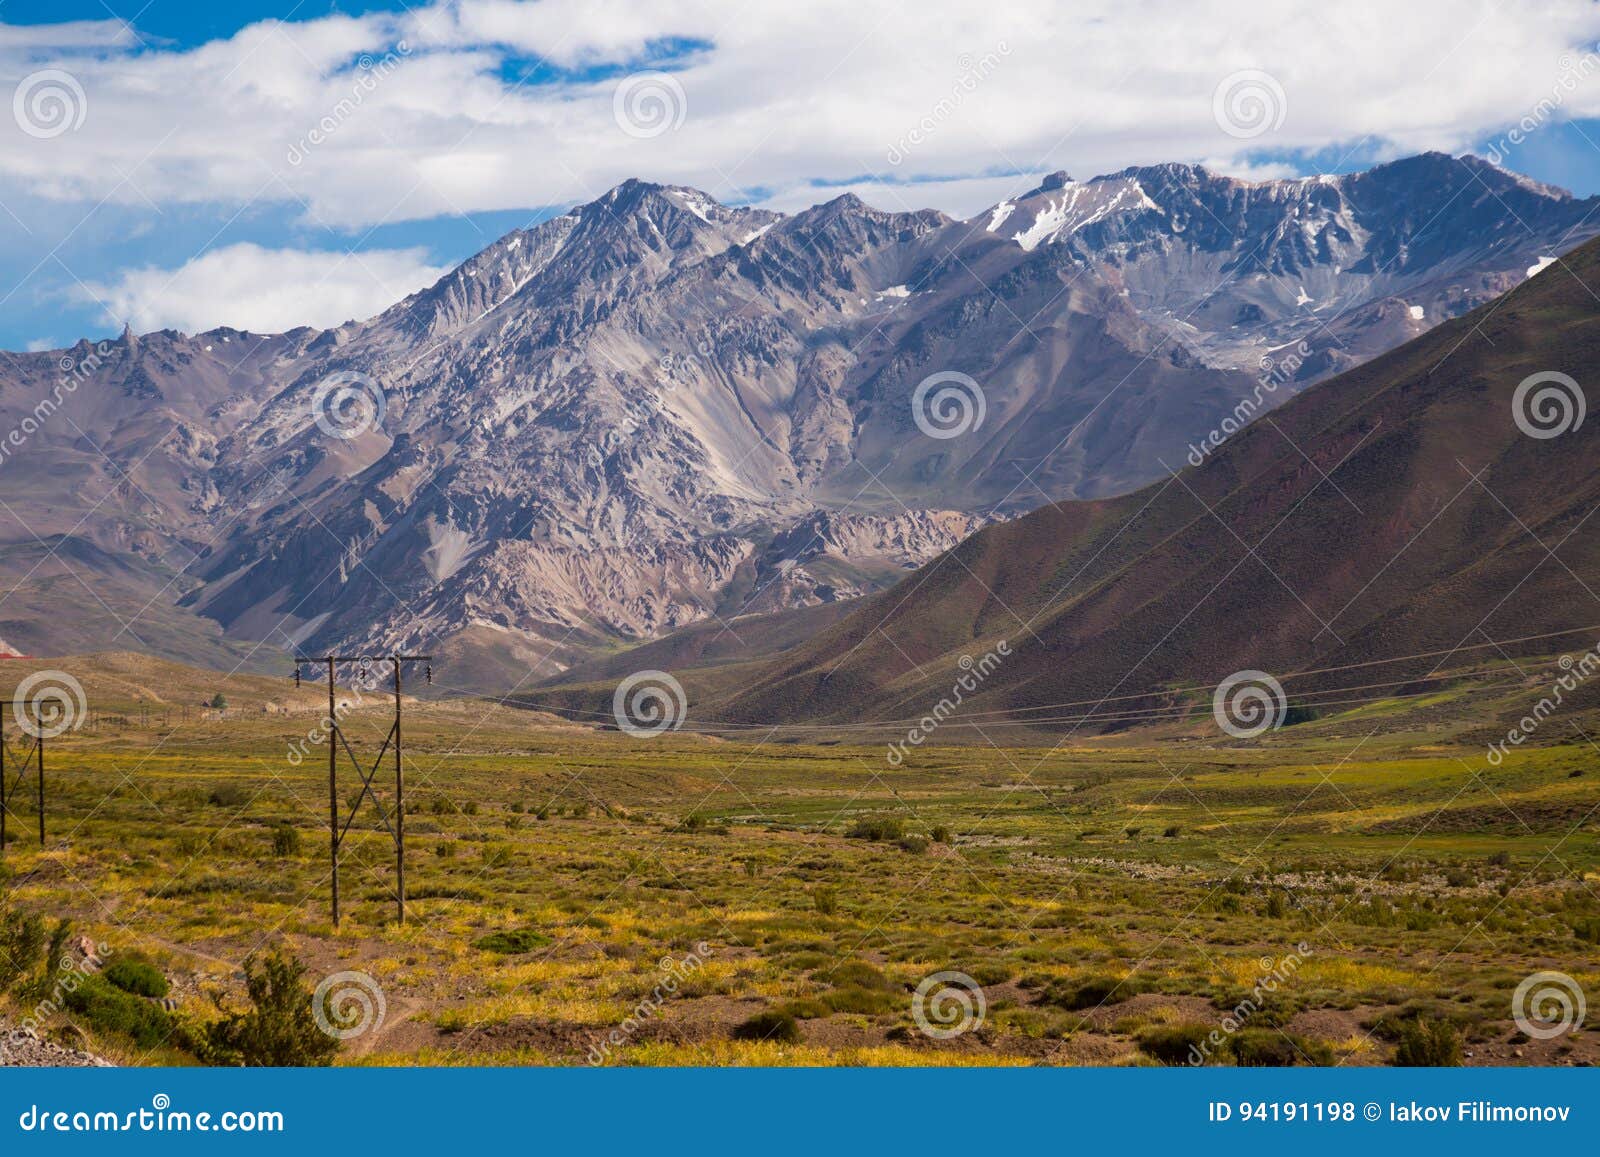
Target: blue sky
265	165
184	23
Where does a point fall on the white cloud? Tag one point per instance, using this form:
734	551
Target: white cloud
263	290
78	34
961	197
783	95
1247	170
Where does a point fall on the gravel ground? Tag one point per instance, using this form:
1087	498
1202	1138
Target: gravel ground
21	1047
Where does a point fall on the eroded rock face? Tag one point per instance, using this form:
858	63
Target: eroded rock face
656	408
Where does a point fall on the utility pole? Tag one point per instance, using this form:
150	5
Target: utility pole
9	787
399	800
336	740
333	786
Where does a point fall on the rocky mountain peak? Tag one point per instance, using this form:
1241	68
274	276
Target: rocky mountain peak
615	421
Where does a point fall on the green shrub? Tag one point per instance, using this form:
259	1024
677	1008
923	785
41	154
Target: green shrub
56	953
22	942
939	834
858	974
1268	1048
228	795
868	1001
110	1010
916	845
279	1029
137	977
806	1008
992	972
826	899
1174	1044
1093	991
1264	1009
877	828
512	942
771	1025
285	841
1428	1044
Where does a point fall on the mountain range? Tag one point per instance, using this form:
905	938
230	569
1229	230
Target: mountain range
655	410
1423	515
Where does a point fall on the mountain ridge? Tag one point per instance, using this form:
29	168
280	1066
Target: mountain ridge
593	430
1401	509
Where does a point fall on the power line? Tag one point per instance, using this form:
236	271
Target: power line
982	719
711	725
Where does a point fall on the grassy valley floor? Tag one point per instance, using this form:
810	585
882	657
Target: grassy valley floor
577	897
